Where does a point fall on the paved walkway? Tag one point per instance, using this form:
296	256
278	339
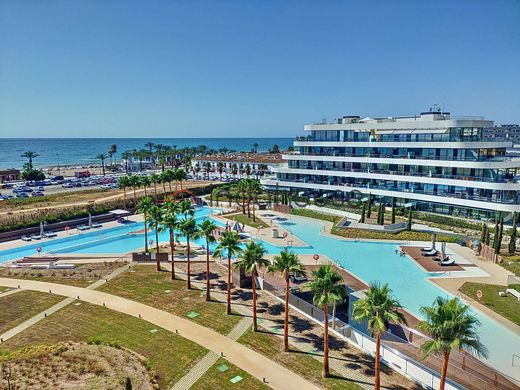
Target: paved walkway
9	292
53	309
210	358
257	365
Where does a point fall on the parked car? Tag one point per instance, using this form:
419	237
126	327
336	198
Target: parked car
40	188
38	193
22	195
67	185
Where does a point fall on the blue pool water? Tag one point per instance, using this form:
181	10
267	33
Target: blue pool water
368	261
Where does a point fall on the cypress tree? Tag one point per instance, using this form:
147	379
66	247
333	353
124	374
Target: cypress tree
393	209
409	225
512	242
362	220
495	235
369	208
483	233
487	239
500	234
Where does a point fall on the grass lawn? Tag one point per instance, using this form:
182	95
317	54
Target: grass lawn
156	289
513	266
508	307
221	379
81	276
170	356
19	307
303	364
243	219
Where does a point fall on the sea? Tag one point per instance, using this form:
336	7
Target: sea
80	151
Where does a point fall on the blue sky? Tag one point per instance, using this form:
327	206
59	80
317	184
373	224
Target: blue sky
108	68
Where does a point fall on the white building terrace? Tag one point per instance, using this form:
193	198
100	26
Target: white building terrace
439	162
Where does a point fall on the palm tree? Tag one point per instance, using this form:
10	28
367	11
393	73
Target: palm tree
180	176
112	153
30	156
170	222
451	326
287	264
229	245
241	187
207	169
145	182
145	204
189	229
186	208
123	183
126	155
207	227
255	147
379	308
149	145
154	179
234	169
220	169
102	157
254	188
325	287
164	178
252	258
170	176
155	217
134	182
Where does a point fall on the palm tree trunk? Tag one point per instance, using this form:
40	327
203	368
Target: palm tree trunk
228	304
248	204
208	297
145	191
286	319
188	265
172	247
155	191
444	371
124	197
325	371
253	284
145	234
377	384
157	249
334	316
134	198
254	203
243	202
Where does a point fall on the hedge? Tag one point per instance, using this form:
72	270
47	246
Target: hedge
402	236
316	215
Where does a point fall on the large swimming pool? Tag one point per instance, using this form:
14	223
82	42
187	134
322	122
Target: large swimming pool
370	261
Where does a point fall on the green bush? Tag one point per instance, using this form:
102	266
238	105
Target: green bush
402	236
316	215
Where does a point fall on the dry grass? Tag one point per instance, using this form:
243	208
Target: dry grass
81	276
73	365
169	356
19	307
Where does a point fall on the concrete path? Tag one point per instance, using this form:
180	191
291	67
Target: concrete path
210	358
257	365
53	309
9	292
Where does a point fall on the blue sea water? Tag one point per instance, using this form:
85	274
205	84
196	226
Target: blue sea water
68	151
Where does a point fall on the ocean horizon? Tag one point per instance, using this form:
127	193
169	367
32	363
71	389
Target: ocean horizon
71	151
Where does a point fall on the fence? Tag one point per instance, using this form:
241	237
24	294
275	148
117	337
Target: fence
464	370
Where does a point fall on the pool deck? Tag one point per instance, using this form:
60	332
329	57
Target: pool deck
427	262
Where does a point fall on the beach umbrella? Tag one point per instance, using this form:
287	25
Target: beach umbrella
41	229
90	221
434	236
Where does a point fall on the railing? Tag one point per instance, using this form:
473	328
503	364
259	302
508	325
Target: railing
464	370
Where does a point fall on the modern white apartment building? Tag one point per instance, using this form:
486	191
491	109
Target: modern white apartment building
433	161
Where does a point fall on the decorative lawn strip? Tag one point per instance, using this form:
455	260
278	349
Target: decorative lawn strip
511	265
220	375
169	356
316	215
19	307
244	219
508	306
401	236
303	364
148	286
80	276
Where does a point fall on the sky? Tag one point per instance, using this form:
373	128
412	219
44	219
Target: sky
222	68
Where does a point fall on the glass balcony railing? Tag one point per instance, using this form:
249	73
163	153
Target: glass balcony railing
443	194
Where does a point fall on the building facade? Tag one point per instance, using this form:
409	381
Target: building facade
433	162
503	133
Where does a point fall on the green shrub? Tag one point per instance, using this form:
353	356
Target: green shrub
402	236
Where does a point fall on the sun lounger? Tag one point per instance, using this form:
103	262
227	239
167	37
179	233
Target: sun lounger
50	234
447	261
430	253
514	293
26	238
36	237
83	227
428	249
96	225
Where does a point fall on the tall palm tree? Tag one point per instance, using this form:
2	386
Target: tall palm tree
170	175
181	175
149	145
164	178
126	155
189	229
123	182
207	228
451	326
252	258
30	156
171	222
325	287
254	188
220	169
287	264
230	246
134	182
379	308
102	157
144	206
112	152
155	218
155	179
145	182
241	187
186	208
